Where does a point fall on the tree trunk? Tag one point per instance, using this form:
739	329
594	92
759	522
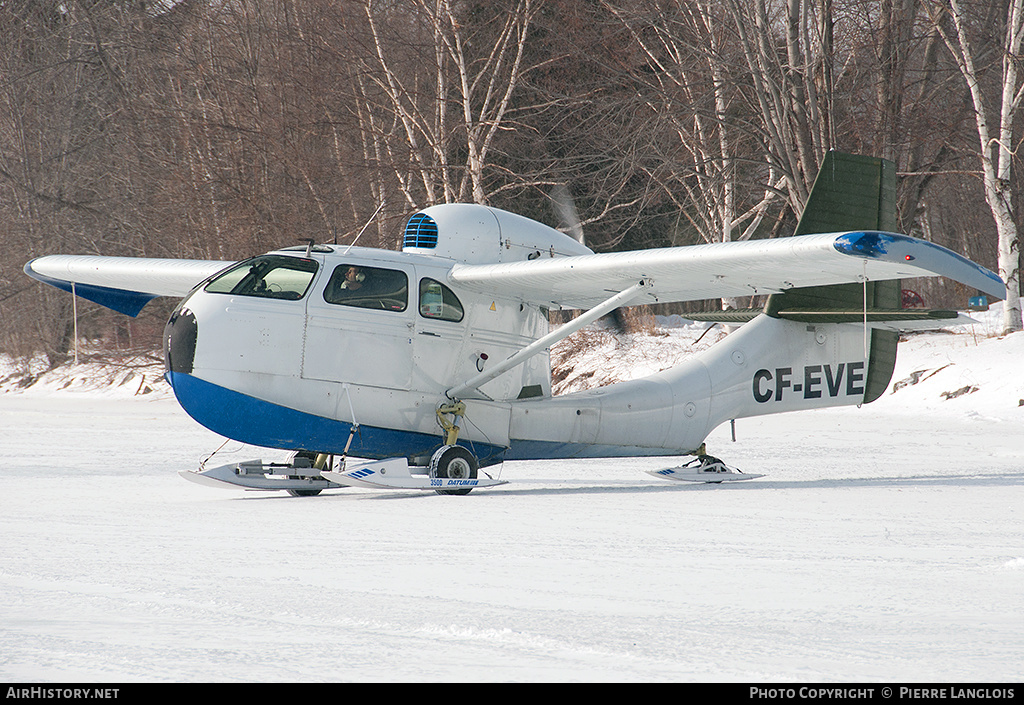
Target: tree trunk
995	152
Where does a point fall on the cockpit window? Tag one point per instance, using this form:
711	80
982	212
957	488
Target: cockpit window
268	277
439	302
368	287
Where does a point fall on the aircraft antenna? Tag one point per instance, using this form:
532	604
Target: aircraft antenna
365	227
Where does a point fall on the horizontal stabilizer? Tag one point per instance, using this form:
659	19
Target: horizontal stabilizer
871	315
729	315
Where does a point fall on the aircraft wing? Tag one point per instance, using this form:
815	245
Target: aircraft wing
125	284
726	269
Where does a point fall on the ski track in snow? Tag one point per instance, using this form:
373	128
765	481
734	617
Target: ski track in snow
885	544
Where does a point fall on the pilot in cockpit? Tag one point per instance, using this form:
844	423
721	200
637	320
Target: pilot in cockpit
366	287
354	278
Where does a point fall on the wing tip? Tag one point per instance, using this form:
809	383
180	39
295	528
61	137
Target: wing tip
932	259
130	303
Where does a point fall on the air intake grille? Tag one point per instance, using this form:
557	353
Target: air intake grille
421	231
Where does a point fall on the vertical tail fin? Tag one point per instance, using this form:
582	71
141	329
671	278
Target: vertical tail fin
851	192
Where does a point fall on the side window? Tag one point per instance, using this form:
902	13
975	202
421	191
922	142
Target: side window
368	287
268	277
439	302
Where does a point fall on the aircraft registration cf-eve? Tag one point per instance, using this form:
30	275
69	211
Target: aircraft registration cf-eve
431	364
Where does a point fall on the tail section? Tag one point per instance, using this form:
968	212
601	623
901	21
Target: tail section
851	192
809	347
774	365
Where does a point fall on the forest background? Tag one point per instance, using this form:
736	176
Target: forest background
220	129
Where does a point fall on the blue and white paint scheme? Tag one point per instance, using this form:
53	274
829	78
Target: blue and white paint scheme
349	351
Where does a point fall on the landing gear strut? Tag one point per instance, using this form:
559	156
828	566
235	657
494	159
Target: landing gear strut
450	461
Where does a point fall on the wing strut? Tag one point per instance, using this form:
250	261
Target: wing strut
610	304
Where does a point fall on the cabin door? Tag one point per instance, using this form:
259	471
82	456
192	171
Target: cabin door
359	328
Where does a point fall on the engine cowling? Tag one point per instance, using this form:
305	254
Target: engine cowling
475	234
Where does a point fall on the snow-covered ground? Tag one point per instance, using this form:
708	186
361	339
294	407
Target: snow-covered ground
886	544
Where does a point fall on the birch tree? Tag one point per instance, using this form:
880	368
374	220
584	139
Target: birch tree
995	135
686	47
792	84
63	172
445	107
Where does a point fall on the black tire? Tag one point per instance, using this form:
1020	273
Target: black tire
311	456
455	463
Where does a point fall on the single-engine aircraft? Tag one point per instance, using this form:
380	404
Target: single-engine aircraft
431	364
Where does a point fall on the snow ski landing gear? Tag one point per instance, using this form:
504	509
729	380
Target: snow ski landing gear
455	473
301	476
452	469
703	468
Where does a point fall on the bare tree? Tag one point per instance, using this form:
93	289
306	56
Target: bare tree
694	86
448	97
791	77
65	105
996	145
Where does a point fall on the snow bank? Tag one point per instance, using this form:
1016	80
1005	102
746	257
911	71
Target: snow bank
110	376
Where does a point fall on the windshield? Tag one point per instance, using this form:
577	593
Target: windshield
267	276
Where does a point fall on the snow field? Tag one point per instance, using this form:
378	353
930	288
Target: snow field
886	544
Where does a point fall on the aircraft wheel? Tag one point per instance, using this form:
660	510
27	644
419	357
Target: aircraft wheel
456	463
312	458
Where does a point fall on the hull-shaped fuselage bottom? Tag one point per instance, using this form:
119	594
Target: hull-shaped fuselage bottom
768	366
247	419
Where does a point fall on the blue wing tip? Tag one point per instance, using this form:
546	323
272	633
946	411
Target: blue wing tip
897	248
130	303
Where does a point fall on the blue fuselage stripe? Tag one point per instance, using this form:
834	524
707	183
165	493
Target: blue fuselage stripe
244	418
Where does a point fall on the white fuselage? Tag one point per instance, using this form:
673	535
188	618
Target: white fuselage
299	372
